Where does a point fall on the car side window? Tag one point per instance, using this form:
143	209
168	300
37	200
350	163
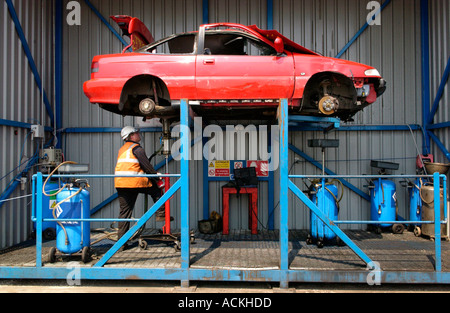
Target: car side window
235	44
256	48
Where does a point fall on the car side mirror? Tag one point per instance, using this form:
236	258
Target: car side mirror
279	45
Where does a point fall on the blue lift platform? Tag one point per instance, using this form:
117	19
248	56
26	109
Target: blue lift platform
287	267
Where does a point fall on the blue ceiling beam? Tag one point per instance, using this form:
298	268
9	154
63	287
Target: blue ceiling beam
32	64
103	19
440	92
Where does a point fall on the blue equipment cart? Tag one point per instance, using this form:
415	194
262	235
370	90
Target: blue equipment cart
325	197
383	200
72	237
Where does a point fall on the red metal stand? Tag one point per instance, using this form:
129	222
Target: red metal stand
166	227
252	207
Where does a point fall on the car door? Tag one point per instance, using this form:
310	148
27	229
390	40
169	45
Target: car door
237	66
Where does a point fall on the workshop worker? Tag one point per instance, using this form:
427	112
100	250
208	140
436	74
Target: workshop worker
132	160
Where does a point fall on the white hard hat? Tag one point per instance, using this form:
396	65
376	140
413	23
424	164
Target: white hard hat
127	130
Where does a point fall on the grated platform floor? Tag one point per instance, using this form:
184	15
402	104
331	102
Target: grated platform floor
241	250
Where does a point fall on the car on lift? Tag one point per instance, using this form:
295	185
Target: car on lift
227	70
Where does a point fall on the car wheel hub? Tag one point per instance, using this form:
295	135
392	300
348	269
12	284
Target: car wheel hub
147	106
328	105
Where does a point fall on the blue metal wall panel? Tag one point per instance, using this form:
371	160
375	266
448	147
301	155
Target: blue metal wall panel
325	26
26	62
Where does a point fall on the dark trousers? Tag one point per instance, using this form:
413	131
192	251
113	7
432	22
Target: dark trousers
127	200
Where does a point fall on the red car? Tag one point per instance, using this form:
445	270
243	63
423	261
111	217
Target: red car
227	71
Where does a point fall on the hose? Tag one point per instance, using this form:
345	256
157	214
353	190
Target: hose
113	235
57	205
54	194
316	183
421	196
155	153
51	174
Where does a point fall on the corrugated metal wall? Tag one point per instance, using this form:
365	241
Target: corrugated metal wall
81	44
439	56
22	102
394	49
324	26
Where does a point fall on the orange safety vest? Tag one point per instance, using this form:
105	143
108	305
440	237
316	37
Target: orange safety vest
128	164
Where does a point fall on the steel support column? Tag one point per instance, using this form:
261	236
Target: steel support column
185	151
425	46
283	124
285	186
269	14
58	69
205	11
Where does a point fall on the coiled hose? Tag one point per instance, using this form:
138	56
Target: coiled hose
66	199
331	182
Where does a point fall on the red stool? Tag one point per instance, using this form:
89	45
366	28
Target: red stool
252	207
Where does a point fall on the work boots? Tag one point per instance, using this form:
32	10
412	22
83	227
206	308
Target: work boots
161	215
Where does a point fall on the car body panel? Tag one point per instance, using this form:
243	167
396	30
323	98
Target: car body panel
231	77
176	71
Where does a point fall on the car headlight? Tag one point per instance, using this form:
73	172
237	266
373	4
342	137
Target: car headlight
372	72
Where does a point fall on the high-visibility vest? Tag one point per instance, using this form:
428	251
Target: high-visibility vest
128	164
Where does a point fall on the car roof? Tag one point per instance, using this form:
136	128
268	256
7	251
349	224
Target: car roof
264	35
253	30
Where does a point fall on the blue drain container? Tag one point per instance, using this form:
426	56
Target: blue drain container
72	237
48	203
383	202
325	200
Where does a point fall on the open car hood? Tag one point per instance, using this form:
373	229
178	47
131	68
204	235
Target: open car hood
289	45
132	27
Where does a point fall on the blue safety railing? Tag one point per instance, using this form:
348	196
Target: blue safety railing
283	274
181	184
287	185
37	211
436	179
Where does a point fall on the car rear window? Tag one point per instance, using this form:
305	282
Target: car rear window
176	44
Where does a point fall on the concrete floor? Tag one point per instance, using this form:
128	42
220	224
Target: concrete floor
171	287
240	249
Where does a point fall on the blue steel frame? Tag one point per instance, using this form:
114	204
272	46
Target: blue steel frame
283	275
286	184
185	273
427	112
